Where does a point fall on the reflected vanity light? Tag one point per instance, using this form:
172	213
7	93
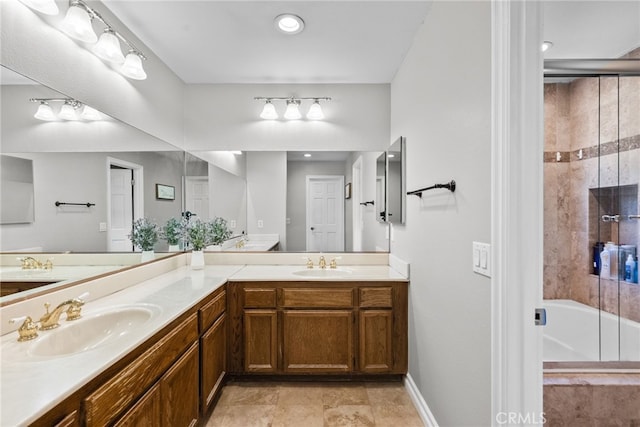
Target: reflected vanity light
68	111
292	111
78	24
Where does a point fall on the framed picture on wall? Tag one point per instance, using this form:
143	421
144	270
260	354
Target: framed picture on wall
347	191
165	192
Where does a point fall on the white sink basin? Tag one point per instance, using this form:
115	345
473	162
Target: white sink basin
327	272
88	332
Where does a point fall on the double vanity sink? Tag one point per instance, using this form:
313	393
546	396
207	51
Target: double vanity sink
59	361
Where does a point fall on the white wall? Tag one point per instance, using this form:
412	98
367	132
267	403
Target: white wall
228	198
226	117
441	101
267	193
32	47
81	178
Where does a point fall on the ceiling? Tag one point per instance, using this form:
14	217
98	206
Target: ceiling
210	41
236	41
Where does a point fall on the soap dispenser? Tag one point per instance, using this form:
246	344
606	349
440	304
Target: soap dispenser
628	268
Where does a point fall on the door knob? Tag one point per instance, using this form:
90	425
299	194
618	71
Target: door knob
313	228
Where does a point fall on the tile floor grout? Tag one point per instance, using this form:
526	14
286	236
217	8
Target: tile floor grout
311	404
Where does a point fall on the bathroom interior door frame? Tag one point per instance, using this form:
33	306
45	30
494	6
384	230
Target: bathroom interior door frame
517	210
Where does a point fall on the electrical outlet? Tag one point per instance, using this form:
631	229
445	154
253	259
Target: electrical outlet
102	227
482	258
232	223
260	223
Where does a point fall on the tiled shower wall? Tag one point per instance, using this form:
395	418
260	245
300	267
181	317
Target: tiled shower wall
575	113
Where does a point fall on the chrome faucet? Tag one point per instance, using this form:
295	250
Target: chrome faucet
50	320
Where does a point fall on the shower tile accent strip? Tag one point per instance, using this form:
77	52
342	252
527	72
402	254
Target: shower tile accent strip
611	147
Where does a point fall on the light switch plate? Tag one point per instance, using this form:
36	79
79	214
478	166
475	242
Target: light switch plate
482	258
232	223
260	223
102	226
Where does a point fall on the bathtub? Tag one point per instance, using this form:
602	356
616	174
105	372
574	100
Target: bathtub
572	334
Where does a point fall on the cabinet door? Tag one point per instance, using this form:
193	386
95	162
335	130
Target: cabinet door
318	341
145	413
179	391
376	328
213	350
70	420
260	341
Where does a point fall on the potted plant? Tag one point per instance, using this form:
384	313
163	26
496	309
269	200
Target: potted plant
144	235
219	231
198	236
173	232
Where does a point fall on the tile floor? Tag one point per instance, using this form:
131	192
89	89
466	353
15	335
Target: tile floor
311	404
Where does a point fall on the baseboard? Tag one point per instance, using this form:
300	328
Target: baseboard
423	409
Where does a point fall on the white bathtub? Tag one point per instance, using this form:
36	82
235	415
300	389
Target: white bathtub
572	334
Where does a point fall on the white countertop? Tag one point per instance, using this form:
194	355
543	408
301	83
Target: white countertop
56	274
30	388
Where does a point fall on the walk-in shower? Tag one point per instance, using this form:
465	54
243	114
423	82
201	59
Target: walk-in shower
591	222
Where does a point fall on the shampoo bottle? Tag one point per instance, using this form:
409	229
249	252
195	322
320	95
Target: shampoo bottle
634	279
628	268
605	266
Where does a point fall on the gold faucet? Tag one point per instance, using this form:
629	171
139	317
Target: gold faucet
240	243
30	263
322	263
28	330
333	263
50	320
309	263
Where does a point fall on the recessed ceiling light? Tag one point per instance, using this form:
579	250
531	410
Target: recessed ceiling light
307	155
546	45
289	24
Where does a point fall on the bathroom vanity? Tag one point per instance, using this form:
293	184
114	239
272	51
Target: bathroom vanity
179	332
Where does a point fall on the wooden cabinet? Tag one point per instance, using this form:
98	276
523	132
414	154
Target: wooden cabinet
179	391
333	328
147	412
213	350
70	420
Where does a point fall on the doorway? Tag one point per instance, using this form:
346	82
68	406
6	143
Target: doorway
125	202
325	213
197	196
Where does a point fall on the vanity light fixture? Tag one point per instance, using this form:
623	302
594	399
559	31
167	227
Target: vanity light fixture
269	111
45	112
48	7
108	47
68	111
292	111
307	155
78	24
289	23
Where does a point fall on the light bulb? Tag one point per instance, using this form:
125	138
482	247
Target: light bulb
132	67
48	7
108	47
77	24
90	114
289	24
546	45
292	112
269	111
315	111
45	113
68	112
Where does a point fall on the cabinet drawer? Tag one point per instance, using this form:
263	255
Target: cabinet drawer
376	297
107	402
260	298
212	310
325	298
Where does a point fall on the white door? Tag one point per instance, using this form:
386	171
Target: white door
358	209
121	201
197	196
325	213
